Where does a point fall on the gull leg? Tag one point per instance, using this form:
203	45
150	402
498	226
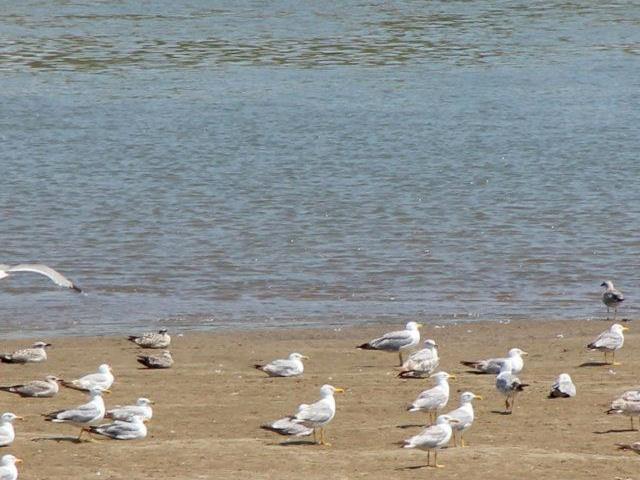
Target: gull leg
513	401
428	458
322	440
462	440
455	443
607	312
435	459
400	356
315	440
506	405
613	359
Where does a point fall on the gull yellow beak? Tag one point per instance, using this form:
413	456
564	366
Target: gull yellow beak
454	420
305	357
524	353
152	402
419	325
106	390
478	397
18	460
624	329
452	377
19	418
339	390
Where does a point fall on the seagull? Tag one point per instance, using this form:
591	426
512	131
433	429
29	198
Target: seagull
318	414
102	379
493	365
563	387
432	438
142	409
84	415
634	447
7	433
609	341
464	414
164	360
509	385
288	427
435	398
53	275
422	362
131	429
8	470
611	297
627	406
152	340
38	388
284	367
396	341
35	354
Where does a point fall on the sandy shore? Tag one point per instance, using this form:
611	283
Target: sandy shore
210	405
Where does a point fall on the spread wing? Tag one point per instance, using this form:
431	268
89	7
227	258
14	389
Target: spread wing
53	275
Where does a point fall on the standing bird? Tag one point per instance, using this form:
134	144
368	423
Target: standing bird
35	354
435	398
422	362
464	414
7	433
284	367
432	438
152	340
494	365
318	414
37	388
142	408
164	360
396	341
131	429
8	470
611	297
563	387
84	416
102	379
53	275
626	405
509	385
609	341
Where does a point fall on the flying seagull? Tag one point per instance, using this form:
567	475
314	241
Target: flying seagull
53	275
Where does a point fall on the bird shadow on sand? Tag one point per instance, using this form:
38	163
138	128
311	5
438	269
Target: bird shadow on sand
476	372
59	439
616	430
412	467
412	425
594	364
295	443
501	412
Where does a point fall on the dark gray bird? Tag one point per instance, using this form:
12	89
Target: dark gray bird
164	360
611	297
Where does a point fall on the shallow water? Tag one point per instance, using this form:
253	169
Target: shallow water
255	165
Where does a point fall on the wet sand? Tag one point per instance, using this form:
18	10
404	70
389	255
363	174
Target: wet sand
210	405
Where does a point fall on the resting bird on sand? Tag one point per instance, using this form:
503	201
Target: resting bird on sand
433	438
152	340
102	379
53	275
7	433
509	385
396	341
38	388
493	365
131	429
563	387
609	341
288	427
164	360
85	415
35	354
284	367
464	414
318	414
611	297
433	399
8	470
142	408
422	362
634	447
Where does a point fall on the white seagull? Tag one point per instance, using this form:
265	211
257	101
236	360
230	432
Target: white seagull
8	470
35	354
284	367
432	438
627	404
142	408
318	414
37	388
102	379
611	297
162	339
131	429
509	385
7	433
396	341
53	275
84	416
464	414
494	365
435	398
563	387
609	341
422	362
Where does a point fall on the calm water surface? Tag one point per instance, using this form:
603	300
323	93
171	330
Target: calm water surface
209	165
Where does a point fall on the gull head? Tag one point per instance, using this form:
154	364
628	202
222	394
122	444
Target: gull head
329	390
446	419
430	343
467	397
442	376
143	402
297	356
516	352
564	377
413	326
617	328
162	331
104	369
40	345
9	460
607	284
52	378
9	417
97	391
